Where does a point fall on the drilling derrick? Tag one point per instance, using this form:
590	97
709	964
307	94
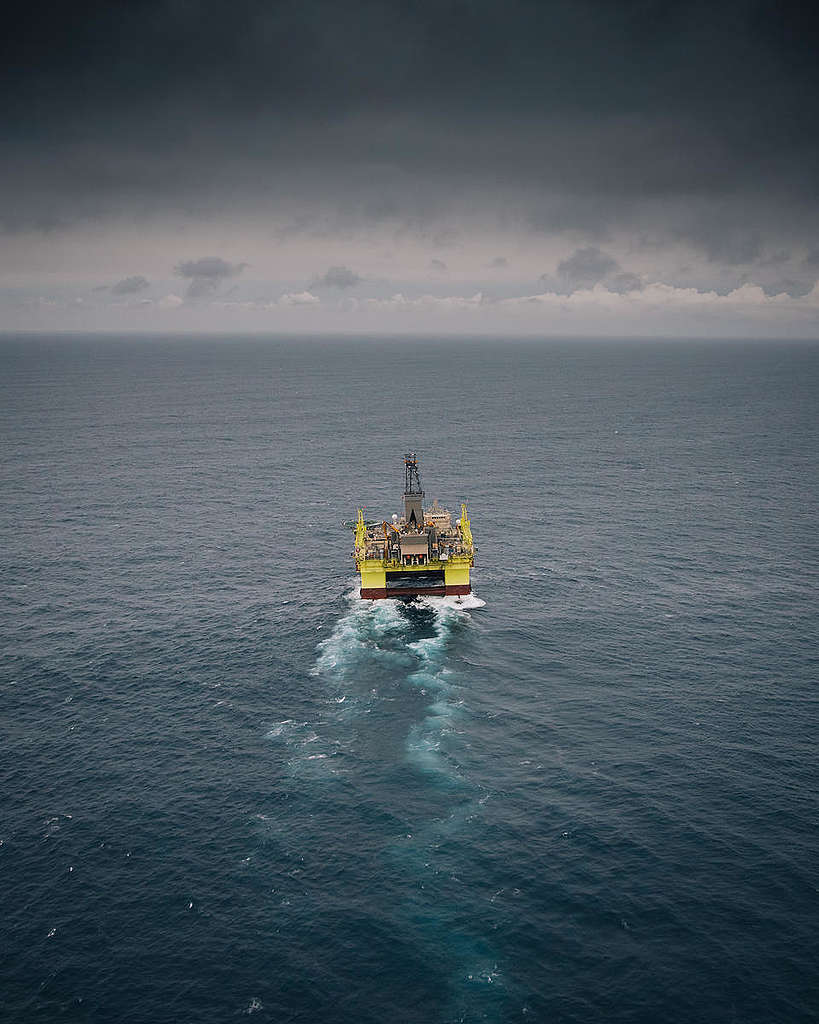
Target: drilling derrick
413	495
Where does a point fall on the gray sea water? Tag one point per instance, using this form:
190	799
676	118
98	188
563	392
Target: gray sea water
229	787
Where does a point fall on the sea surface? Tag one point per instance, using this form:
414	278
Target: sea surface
230	788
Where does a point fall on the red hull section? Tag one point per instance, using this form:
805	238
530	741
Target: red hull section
379	593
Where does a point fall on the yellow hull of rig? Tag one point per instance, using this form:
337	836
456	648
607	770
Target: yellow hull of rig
422	553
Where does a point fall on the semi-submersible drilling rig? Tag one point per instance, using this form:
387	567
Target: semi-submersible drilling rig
422	552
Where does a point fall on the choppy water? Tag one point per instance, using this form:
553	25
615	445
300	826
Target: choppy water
229	787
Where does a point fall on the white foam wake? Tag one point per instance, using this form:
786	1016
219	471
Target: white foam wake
364	646
367	652
426	741
466	603
359	634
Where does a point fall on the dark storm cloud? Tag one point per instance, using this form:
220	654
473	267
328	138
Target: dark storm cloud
130	285
724	242
796	289
206	274
586	267
579	114
625	282
322	56
775	259
338	277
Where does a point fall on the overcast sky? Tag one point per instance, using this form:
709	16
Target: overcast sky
557	168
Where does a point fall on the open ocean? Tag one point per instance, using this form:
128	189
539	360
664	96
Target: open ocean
228	787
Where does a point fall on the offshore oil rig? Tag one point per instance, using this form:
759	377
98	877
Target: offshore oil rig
422	552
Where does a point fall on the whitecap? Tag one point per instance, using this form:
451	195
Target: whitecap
283	727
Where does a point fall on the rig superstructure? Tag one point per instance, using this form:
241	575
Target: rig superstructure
422	552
